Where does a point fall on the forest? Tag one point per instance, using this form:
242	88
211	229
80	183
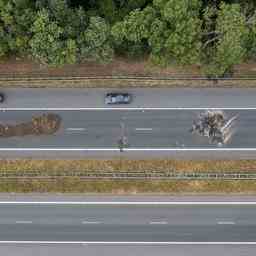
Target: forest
214	34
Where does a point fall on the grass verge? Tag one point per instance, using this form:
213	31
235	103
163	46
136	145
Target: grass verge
124	83
127	165
75	185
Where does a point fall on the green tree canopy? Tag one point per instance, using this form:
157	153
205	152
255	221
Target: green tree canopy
15	19
46	43
229	39
94	42
215	34
65	35
171	30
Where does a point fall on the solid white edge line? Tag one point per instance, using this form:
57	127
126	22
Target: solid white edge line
128	149
128	203
131	108
128	243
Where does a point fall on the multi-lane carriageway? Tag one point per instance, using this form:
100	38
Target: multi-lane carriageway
147	130
156	123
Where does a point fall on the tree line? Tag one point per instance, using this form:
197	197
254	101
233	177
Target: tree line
213	34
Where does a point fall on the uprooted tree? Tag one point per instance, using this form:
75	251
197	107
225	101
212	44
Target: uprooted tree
215	125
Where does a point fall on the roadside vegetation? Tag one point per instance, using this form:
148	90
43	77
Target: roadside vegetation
127	165
76	185
212	35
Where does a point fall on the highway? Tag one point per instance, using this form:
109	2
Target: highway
153	97
143	128
157	225
91	129
127	250
99	130
132	223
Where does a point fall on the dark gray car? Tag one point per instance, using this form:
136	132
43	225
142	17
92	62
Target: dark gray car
118	98
2	97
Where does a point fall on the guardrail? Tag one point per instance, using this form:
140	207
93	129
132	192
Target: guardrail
135	175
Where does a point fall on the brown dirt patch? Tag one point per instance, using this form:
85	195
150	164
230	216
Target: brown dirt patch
44	124
119	66
15	66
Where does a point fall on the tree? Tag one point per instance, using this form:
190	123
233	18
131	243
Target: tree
94	43
171	30
64	35
46	44
227	46
15	19
177	31
111	10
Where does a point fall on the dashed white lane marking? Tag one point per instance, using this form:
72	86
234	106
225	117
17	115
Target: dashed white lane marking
91	222
23	222
226	223
143	129
75	129
158	223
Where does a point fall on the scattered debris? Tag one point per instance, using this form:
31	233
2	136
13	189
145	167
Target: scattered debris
215	125
45	124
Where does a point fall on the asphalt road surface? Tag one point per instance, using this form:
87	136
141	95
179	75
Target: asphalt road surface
189	223
96	131
94	98
143	129
129	250
128	223
85	130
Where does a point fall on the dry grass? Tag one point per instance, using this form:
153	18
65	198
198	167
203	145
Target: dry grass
128	165
75	185
118	67
124	83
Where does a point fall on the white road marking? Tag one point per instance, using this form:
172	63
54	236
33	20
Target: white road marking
143	129
129	243
91	222
131	108
75	129
239	203
130	149
23	222
158	223
226	223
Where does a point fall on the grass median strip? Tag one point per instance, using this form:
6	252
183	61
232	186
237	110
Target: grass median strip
122	164
77	185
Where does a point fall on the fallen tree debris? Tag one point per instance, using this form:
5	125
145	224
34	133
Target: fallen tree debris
215	125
